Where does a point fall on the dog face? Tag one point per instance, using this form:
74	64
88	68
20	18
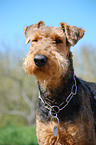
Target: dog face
48	58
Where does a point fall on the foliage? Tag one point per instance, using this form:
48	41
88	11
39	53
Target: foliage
12	135
85	63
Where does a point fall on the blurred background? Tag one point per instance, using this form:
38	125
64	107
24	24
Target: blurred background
18	92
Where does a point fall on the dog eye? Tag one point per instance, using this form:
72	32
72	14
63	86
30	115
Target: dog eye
35	40
58	41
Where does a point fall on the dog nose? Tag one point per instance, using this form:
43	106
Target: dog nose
40	60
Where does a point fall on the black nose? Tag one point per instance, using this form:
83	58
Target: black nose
40	60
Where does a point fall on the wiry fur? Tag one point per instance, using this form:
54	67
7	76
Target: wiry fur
77	122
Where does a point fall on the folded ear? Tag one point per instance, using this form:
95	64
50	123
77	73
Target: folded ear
73	33
28	30
27	33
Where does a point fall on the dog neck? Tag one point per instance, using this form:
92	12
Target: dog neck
58	97
58	94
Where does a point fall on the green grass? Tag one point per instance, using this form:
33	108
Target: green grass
12	135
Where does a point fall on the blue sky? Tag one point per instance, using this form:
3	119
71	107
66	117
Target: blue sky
16	14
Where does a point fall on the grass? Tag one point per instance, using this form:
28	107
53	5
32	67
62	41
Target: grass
12	135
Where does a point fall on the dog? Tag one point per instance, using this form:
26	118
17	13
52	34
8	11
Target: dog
66	107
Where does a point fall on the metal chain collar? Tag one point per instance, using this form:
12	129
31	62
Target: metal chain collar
54	110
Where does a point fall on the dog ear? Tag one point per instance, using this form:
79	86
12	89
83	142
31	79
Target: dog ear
27	33
73	33
40	23
28	30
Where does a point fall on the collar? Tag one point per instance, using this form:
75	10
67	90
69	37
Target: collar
63	104
54	110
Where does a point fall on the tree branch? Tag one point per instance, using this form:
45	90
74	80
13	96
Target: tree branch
14	112
27	100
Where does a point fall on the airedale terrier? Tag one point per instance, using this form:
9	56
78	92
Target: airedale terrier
66	107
